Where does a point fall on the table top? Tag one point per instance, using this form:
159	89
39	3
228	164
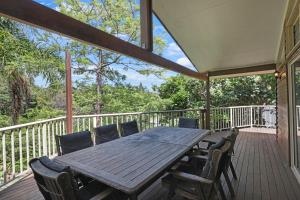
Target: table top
129	163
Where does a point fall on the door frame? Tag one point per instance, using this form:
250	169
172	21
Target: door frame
292	113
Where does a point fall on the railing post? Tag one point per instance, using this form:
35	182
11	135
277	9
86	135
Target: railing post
94	122
140	118
172	120
21	150
251	116
231	118
44	139
27	147
13	159
4	157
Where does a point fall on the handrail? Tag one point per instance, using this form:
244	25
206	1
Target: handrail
20	143
31	124
134	113
23	142
91	115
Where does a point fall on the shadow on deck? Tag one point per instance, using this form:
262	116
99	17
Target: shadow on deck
262	173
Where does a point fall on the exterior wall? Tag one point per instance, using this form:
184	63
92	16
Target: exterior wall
282	110
288	50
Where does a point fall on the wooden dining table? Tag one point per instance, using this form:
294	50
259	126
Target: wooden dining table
131	164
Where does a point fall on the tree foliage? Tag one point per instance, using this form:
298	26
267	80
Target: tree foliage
182	92
21	60
185	92
116	17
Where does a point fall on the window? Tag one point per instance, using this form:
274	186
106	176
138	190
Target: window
296	33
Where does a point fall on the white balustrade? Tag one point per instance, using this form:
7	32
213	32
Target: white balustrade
23	142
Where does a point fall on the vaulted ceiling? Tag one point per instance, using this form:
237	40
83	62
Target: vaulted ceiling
224	34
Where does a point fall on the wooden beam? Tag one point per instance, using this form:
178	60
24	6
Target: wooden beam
69	99
243	70
35	14
146	25
208	103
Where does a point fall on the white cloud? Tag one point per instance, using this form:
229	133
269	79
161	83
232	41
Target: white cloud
184	61
173	50
134	76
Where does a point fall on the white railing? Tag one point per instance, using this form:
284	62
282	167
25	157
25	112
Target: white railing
20	143
298	117
23	142
243	116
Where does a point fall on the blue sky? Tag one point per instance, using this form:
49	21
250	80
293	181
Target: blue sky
171	52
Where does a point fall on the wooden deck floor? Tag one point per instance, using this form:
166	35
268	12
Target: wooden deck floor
262	174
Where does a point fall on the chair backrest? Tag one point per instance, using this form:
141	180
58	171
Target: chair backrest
106	133
129	128
224	145
73	142
52	184
232	137
188	123
212	165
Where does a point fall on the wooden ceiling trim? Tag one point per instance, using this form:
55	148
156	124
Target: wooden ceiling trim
35	14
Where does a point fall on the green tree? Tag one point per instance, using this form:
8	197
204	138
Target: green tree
117	17
118	98
259	90
21	61
183	92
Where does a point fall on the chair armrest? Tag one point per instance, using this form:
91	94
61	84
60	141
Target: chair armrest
208	141
190	177
199	152
103	194
200	157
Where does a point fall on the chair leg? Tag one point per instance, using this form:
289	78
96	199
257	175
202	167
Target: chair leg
227	179
221	191
203	196
233	170
171	192
211	191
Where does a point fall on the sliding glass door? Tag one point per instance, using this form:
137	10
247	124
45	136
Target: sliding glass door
295	114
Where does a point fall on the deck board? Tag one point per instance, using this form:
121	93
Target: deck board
262	174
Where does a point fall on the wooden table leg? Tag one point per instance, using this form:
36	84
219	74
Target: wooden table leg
133	197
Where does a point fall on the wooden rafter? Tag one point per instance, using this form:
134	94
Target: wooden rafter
146	25
244	70
35	14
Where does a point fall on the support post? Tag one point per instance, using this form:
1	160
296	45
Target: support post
208	103
276	106
69	102
146	25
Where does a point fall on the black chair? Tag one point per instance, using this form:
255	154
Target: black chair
225	145
232	136
56	182
129	128
106	133
193	186
73	142
188	123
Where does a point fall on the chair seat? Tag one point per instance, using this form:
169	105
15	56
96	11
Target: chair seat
91	190
184	188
